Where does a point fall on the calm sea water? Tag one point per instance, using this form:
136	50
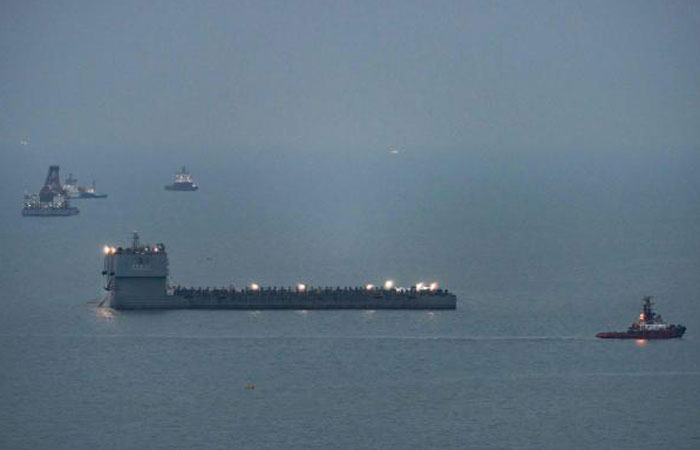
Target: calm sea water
543	252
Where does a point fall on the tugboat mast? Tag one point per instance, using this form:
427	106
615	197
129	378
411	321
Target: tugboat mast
648	311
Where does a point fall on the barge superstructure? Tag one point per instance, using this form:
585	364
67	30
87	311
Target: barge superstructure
136	277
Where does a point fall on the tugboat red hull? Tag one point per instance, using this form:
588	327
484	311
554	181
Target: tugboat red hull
671	333
648	326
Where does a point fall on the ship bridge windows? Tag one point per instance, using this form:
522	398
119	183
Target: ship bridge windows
141	263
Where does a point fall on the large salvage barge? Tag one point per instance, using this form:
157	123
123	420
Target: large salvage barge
136	277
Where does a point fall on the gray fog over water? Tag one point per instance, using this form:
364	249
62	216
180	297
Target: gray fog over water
547	173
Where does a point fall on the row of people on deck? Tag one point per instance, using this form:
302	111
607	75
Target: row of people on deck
231	291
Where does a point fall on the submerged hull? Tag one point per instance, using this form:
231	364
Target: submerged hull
256	301
671	333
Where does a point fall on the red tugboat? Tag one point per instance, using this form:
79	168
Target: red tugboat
648	326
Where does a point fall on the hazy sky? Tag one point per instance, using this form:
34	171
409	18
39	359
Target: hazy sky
350	76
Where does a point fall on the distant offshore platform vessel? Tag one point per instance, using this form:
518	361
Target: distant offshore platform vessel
51	201
183	182
136	278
